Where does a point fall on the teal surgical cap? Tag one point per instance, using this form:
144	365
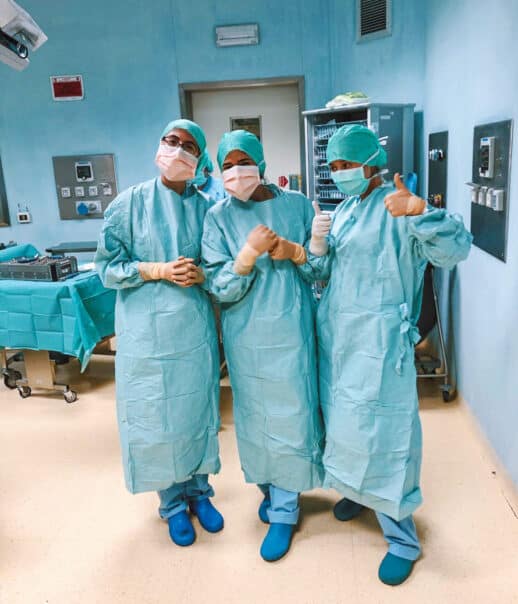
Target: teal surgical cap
193	129
204	163
241	140
210	165
356	143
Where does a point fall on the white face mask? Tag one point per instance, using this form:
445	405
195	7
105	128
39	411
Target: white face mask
241	181
175	164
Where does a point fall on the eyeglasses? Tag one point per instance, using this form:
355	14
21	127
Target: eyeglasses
188	146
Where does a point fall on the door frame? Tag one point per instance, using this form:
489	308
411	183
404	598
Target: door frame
186	90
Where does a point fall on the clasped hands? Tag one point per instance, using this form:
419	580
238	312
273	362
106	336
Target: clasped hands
261	239
182	272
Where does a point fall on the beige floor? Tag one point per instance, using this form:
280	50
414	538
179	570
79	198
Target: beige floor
71	534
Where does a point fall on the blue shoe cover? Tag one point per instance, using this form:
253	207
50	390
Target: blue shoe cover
209	517
394	570
181	529
263	510
346	509
277	541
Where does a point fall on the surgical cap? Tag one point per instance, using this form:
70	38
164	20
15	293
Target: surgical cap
356	143
193	129
209	165
197	133
241	140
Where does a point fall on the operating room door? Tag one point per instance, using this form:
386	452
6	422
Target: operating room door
277	108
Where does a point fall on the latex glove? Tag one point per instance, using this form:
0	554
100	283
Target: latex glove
320	228
288	250
187	274
402	202
182	272
260	240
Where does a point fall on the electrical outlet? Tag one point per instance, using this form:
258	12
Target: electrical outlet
24	217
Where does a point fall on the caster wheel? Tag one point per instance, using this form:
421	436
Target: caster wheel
10	377
70	396
9	382
448	394
24	391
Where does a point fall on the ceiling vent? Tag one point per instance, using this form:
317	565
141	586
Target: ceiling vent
374	19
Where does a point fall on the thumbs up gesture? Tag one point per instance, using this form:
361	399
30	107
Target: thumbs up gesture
402	202
321	224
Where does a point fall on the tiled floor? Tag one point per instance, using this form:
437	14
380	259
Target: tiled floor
71	534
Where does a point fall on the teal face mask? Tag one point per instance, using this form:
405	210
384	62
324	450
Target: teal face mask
353	182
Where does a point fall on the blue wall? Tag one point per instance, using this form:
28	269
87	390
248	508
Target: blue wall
389	69
471	78
132	56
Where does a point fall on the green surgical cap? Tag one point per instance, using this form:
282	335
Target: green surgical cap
193	129
241	140
210	165
356	143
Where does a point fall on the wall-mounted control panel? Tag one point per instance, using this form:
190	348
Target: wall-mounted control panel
85	185
437	168
490	187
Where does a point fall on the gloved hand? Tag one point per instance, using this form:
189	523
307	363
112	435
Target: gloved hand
187	274
182	272
402	202
288	250
319	230
260	240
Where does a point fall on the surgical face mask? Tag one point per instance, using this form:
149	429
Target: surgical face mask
353	181
241	181
175	164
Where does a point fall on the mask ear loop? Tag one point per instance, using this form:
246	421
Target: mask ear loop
377	152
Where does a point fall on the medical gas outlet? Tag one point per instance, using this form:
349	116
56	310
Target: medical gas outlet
487	196
489	187
85	185
85	208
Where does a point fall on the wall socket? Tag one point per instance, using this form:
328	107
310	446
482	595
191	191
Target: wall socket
24	217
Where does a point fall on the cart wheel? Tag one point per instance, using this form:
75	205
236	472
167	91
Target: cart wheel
70	396
9	382
10	377
448	393
24	391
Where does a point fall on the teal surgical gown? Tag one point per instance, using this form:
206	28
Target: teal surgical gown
269	341
167	376
366	326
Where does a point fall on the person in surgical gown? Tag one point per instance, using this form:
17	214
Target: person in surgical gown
256	266
209	185
380	242
167	375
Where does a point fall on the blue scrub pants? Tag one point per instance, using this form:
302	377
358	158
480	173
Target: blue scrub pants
176	498
401	536
284	508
